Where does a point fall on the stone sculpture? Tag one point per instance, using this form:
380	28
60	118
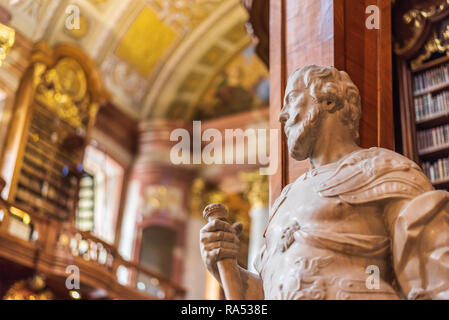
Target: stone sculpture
355	210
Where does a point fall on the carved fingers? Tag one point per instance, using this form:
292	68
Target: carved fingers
219	240
238	228
218	236
218	225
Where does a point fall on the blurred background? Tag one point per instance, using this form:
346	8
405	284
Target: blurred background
90	90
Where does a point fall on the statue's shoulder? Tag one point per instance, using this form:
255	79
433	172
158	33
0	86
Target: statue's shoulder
375	174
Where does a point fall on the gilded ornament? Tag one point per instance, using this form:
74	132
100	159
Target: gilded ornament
416	18
7	38
63	89
256	188
435	44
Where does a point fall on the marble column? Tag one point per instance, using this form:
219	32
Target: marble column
194	270
257	194
158	194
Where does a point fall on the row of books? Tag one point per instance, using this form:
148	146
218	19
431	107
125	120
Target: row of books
438	170
434	137
428	106
44	183
432	77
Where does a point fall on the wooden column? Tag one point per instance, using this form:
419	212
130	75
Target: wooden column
332	32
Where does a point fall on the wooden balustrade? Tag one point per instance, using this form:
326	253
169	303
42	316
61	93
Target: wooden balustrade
49	246
144	279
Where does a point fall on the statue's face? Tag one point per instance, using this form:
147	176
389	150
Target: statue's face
301	117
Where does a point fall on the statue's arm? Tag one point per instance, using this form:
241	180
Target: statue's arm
420	243
252	285
218	241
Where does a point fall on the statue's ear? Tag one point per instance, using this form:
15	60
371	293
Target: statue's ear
332	103
329	105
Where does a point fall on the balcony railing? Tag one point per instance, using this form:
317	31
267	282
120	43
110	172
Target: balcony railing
50	246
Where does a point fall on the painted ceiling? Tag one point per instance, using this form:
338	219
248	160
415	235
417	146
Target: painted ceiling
159	58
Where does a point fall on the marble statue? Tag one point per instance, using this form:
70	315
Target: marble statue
354	210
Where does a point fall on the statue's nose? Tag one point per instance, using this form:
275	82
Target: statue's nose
283	116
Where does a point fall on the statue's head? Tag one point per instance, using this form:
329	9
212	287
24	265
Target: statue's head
312	94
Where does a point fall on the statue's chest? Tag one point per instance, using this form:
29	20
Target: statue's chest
301	203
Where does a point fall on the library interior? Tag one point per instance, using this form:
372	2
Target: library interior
94	95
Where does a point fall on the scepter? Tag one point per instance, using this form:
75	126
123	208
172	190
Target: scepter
227	268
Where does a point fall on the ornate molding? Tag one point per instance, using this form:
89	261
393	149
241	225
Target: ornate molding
43	53
68	83
258	26
185	14
435	44
7	38
414	20
63	90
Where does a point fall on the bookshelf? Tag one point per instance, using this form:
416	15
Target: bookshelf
58	99
48	178
423	77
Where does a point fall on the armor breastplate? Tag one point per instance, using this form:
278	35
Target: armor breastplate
312	251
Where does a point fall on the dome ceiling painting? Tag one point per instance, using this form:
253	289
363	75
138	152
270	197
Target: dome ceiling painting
159	58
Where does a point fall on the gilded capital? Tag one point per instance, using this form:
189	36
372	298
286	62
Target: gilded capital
256	186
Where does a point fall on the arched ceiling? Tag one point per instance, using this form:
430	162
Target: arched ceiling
155	55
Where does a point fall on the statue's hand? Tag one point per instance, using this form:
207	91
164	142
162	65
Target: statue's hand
219	240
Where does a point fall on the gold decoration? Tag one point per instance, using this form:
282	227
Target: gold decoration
256	188
433	45
416	17
238	208
79	33
30	289
197	198
234	89
22	215
158	197
63	89
146	41
98	2
185	14
7	38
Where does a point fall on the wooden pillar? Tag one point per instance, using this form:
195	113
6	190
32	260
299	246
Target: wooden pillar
332	32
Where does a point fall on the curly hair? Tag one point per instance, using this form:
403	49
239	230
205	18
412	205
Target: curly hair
327	84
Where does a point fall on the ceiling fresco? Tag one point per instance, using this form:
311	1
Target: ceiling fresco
243	85
143	49
159	58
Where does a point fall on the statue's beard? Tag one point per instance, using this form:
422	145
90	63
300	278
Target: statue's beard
303	135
